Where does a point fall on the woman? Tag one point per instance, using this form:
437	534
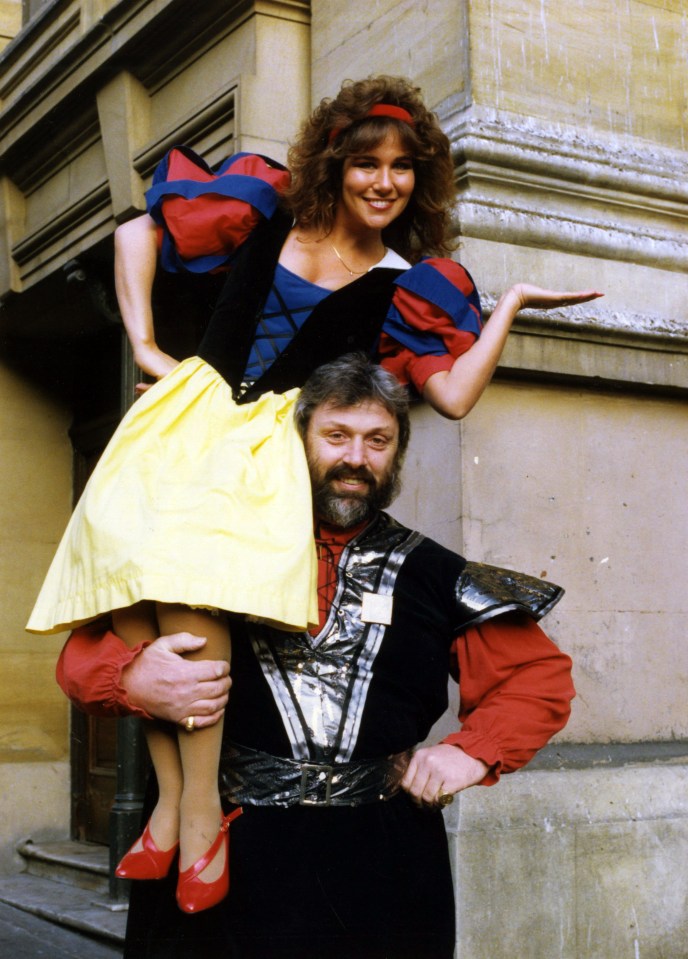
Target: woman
320	265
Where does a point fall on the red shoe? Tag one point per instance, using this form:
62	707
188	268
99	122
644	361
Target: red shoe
148	862
193	894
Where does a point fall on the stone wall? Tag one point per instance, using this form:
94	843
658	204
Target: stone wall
34	752
569	127
10	20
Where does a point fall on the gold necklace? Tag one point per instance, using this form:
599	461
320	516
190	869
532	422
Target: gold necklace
347	268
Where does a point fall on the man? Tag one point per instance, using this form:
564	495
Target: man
340	852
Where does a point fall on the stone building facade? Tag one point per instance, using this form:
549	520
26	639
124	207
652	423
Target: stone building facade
568	123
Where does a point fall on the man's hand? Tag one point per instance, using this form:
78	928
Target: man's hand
168	686
441	769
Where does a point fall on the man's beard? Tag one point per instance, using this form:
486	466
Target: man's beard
350	509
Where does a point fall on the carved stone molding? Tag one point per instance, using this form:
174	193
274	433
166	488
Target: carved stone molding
527	183
592	319
93	94
213	114
598	346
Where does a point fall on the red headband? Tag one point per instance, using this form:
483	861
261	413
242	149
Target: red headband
379	110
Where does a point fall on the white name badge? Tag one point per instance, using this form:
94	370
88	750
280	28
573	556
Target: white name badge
377	608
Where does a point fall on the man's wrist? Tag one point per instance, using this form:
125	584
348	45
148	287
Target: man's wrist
481	751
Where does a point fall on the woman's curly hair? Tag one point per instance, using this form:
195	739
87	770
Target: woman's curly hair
316	162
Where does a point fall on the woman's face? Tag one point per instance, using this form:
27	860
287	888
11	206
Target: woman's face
376	186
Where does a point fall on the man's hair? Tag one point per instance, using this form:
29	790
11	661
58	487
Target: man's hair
316	163
350	381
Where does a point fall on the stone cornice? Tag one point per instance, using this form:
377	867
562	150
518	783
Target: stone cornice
529	144
527	183
59	61
589	319
206	117
591	344
77	125
560	756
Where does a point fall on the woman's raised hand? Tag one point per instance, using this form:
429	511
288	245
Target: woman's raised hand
529	296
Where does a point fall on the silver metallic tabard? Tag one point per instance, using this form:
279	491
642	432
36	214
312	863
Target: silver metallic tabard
484	591
320	683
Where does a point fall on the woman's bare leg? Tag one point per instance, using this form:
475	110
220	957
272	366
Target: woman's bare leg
200	808
134	625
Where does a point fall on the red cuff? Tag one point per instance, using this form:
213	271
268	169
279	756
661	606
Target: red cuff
421	368
89	672
409	368
515	692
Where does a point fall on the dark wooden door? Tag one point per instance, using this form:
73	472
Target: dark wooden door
94	739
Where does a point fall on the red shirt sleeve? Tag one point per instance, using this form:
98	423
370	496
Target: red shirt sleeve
89	671
515	692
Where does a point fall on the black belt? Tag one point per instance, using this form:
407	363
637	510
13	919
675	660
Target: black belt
251	777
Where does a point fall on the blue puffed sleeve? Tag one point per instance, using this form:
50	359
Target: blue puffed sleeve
205	214
432	298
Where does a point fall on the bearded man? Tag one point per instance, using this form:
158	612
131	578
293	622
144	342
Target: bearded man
340	852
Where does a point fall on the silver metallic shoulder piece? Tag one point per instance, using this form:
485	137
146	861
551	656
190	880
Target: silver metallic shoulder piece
483	592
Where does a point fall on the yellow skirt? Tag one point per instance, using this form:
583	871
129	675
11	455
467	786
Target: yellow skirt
195	500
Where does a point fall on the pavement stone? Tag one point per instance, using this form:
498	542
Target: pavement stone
26	936
65	905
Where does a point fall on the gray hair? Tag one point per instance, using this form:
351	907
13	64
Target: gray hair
350	381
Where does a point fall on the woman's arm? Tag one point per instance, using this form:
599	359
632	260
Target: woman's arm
136	257
454	392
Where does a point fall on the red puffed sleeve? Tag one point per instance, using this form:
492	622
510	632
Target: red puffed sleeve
434	317
89	671
515	692
204	215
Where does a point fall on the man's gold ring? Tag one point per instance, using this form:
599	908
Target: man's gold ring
444	799
190	724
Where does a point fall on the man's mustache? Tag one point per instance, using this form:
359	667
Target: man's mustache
343	472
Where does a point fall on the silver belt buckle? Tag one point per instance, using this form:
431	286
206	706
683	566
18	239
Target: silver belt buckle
315	776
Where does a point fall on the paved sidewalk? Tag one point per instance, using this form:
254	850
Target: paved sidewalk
24	936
